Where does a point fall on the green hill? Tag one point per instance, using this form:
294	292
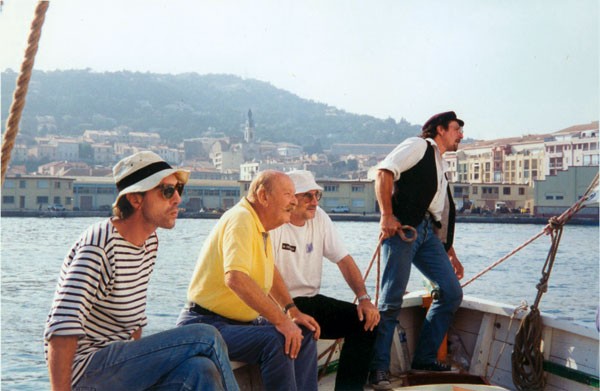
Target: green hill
185	106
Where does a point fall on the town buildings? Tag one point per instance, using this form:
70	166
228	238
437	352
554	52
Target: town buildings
537	174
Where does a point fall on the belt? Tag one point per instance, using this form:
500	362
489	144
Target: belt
191	306
429	216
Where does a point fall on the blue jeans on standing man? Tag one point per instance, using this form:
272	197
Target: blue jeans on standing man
427	253
259	342
185	358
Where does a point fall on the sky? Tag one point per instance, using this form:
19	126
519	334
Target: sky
506	67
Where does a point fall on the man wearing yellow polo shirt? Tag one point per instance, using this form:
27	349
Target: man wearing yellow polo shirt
232	281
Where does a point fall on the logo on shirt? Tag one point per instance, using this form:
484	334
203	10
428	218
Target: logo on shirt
309	248
289	247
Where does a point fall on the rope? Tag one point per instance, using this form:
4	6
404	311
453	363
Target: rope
520	308
528	363
527	357
16	108
553	224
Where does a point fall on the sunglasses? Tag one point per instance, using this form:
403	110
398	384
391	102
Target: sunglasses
308	197
168	191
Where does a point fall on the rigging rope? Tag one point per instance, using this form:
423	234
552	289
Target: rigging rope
552	223
527	356
16	108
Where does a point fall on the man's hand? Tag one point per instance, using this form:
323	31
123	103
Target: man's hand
305	320
293	337
389	226
369	313
458	267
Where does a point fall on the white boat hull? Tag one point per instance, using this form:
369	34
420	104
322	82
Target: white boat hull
570	350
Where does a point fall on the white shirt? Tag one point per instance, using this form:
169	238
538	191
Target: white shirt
407	155
299	252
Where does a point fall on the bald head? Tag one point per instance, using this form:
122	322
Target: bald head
271	194
264	180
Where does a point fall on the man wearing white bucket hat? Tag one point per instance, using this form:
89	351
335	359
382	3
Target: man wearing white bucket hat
93	332
299	248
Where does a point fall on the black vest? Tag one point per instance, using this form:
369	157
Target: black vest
415	190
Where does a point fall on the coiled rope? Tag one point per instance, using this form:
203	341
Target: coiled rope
527	357
18	103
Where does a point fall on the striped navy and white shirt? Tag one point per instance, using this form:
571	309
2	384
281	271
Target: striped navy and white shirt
101	292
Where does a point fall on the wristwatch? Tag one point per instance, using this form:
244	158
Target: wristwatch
364	297
288	307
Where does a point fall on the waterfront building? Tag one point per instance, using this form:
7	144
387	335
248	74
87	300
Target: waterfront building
506	171
558	192
30	192
98	193
358	196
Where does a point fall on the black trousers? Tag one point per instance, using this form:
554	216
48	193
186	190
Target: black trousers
339	319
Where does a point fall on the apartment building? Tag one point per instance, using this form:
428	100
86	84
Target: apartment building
31	192
575	146
507	170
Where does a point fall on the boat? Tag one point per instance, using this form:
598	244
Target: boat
480	343
481	340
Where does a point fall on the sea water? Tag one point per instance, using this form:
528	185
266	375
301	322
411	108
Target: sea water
33	249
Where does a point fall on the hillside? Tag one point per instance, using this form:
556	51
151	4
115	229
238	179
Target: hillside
185	106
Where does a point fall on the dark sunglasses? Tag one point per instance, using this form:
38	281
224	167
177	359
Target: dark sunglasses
308	197
168	191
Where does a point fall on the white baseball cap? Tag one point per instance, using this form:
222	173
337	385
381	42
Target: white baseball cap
143	171
303	181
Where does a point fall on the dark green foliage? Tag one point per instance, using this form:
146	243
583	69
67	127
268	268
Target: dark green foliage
186	106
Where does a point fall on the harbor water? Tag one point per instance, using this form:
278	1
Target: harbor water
33	249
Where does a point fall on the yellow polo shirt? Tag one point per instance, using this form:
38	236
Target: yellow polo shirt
238	242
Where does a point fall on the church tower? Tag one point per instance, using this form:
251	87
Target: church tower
249	130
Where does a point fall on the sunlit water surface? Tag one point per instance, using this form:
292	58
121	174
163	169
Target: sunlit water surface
33	248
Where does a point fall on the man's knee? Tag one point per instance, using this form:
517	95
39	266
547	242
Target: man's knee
202	330
206	333
196	370
452	296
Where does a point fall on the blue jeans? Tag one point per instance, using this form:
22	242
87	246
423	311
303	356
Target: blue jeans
259	342
428	255
186	358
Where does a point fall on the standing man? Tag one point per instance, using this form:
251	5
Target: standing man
299	250
93	332
235	281
412	189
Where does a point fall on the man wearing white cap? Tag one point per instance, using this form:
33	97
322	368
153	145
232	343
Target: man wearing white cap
93	332
299	248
